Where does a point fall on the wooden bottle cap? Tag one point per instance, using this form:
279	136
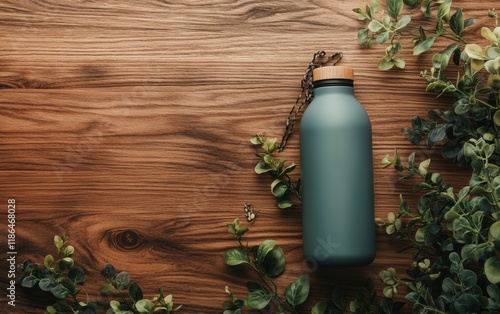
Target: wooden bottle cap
333	72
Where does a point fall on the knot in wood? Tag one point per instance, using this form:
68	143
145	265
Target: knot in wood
127	239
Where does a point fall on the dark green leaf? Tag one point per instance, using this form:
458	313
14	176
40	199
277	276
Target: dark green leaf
438	133
254	286
236	256
394	8
77	275
29	281
122	280
60	292
258	299
264	248
492	269
411	3
338	299
297	292
108	271
46	284
135	292
320	308
457	22
274	263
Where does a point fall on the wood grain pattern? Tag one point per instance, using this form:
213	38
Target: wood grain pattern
125	124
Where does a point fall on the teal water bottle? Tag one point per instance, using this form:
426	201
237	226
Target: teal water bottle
337	173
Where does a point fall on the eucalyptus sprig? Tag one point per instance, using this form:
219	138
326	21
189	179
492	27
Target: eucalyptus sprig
268	262
283	186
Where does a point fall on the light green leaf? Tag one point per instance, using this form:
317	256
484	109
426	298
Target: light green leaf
385	64
48	261
236	256
262	167
403	21
424	45
496	118
278	188
144	306
474	51
69	250
382	37
298	291
375	26
58	242
444	10
488	34
492	269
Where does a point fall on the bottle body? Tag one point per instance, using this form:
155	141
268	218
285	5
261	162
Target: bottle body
337	179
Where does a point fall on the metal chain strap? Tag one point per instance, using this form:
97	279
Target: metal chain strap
319	59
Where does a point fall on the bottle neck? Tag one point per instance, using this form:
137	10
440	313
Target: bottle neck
333	82
333	86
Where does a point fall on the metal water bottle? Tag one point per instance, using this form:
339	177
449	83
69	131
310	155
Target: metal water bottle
337	173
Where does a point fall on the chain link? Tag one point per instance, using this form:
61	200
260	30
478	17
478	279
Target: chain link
319	59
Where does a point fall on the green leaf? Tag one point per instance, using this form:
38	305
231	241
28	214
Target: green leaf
48	261
385	64
492	269
105	289
258	299
274	263
444	10
60	292
494	232
122	280
278	188
405	20
320	308
424	45
363	35
284	202
264	248
394	8
382	37
457	22
46	284
488	34
269	145
77	275
474	51
496	118
144	306
29	281
298	291
254	286
69	250
375	26
236	256
135	292
58	242
262	167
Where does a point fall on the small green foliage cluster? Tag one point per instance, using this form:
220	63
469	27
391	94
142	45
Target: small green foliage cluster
133	302
268	262
283	187
60	277
475	87
390	26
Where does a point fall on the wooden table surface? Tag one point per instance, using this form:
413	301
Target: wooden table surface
126	126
